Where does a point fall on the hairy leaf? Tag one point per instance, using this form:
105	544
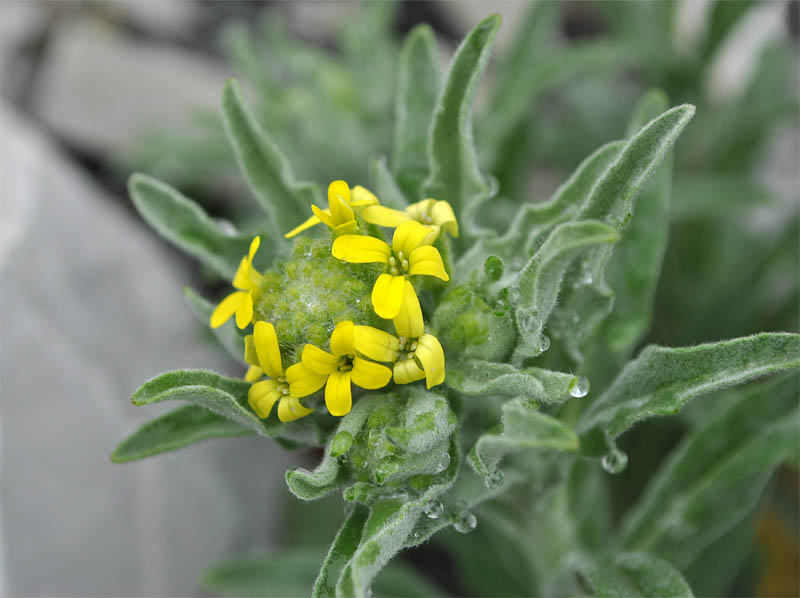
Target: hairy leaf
183	223
266	169
428	422
228	334
418	82
660	381
522	428
454	174
176	429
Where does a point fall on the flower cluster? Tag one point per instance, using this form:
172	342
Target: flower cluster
357	354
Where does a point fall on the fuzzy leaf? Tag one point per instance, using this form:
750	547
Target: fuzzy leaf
267	171
540	281
228	334
716	475
522	428
481	378
454	175
385	185
176	429
183	223
222	395
660	381
428	422
630	574
341	551
418	84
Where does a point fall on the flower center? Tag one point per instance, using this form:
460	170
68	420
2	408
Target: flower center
398	264
345	363
407	347
283	386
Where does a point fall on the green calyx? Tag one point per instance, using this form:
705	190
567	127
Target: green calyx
305	296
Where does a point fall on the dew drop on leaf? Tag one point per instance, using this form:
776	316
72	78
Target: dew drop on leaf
614	462
494	480
433	509
579	387
544	342
514	295
528	322
442	463
466	523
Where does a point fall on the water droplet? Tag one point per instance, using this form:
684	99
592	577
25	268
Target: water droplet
514	295
494	480
579	387
615	461
466	523
442	463
587	277
575	318
544	342
433	509
358	301
528	322
368	593
308	251
493	184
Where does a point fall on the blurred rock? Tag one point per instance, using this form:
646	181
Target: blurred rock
99	89
91	307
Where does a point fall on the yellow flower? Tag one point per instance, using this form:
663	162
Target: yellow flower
264	356
411	254
436	214
344	365
247	280
420	355
340	215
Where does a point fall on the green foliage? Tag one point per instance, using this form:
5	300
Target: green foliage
544	295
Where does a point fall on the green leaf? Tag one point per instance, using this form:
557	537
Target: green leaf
660	381
454	175
418	83
385	186
267	171
522	428
428	422
635	265
176	429
629	574
612	197
715	476
481	378
539	282
183	223
341	551
228	334
222	395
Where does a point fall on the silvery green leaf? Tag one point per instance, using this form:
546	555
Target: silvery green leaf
428	422
176	429
539	283
267	171
661	380
385	186
454	175
419	79
716	475
628	574
183	223
482	378
228	334
522	427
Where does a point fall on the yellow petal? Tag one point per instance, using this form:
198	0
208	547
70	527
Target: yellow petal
241	280
338	189
408	322
421	210
262	396
341	212
410	235
342	338
323	215
254	244
387	295
312	221
427	260
370	375
361	196
348	228
375	344
267	349
225	309
431	356
250	355
383	216
253	373
360	249
442	215
244	313
338	394
303	381
290	409
319	361
407	371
